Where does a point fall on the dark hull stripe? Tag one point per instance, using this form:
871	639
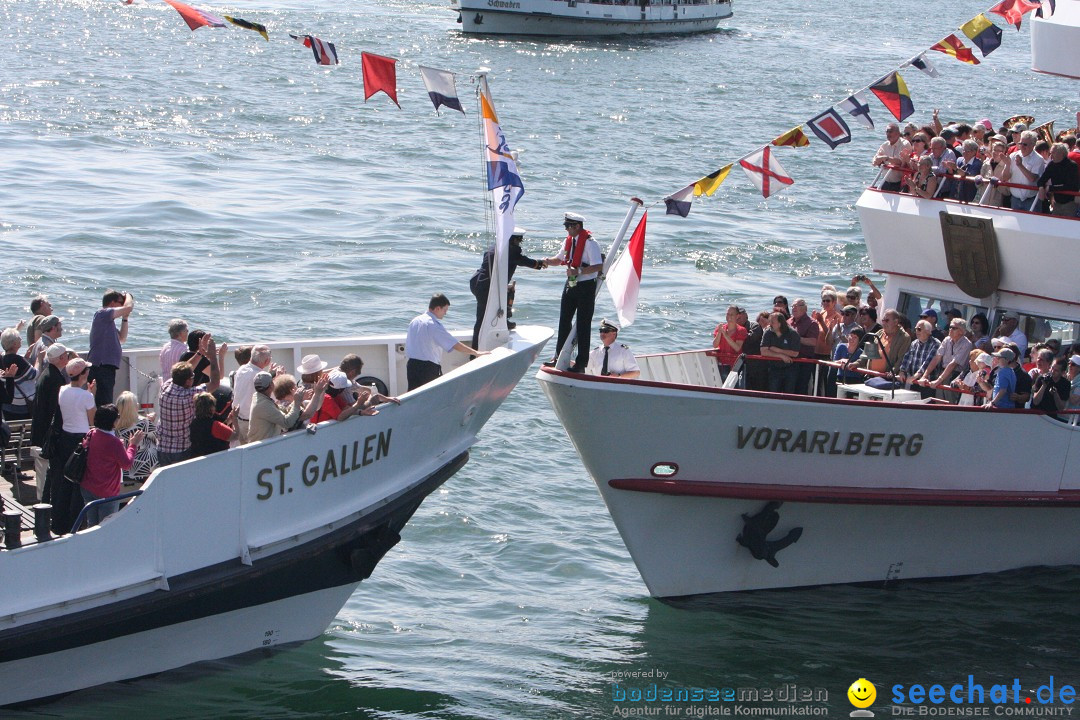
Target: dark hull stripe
836	495
347	555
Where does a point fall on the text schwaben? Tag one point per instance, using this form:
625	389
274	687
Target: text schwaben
828	442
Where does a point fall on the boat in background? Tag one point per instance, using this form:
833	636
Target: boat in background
1055	39
579	18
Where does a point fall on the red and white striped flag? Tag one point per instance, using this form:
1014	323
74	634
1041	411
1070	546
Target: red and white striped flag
624	278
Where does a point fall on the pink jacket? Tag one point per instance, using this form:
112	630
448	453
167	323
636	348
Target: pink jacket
106	460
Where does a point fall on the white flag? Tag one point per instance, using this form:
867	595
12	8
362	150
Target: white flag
624	276
441	89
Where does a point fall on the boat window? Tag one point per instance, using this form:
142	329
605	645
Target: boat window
913	305
1040	329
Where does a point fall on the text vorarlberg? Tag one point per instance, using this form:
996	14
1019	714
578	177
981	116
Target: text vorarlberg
828	442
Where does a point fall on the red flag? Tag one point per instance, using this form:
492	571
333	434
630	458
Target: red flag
379	74
1013	10
196	18
624	276
952	46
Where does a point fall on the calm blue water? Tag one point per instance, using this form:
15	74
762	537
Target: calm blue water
235	183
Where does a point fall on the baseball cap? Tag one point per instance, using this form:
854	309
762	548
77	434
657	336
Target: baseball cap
55	350
1005	354
338	380
263	380
76	366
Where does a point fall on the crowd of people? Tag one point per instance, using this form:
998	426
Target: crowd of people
69	399
1013	166
944	356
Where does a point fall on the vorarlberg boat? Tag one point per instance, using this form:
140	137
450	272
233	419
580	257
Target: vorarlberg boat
715	488
579	18
249	548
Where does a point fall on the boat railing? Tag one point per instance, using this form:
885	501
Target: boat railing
699	368
100	501
986	185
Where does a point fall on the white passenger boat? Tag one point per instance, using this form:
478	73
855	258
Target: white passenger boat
1055	39
578	18
718	489
249	548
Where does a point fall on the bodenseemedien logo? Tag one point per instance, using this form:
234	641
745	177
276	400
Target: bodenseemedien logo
862	694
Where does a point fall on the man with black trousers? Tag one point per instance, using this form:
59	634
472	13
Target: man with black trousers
480	282
583	260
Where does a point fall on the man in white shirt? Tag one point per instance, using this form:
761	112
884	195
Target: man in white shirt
172	350
1009	331
893	153
612	359
426	341
244	387
583	260
1025	167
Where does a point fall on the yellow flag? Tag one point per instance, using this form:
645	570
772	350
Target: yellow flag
793	138
708	184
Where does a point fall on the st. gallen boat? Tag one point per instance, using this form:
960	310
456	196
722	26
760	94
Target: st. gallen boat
253	547
581	18
718	489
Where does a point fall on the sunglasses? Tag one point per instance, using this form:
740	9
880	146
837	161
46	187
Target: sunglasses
850	312
605	332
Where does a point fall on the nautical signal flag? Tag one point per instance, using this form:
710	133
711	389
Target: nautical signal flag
379	74
1014	10
794	137
194	17
441	89
920	62
679	203
982	33
831	128
953	46
765	172
892	91
708	184
247	25
325	53
858	108
624	275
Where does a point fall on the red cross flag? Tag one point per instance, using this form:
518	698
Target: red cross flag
765	172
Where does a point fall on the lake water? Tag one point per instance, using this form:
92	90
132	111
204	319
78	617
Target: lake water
235	183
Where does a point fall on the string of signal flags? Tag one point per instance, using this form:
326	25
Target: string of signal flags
769	176
378	71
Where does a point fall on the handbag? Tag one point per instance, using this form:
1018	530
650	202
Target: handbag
75	467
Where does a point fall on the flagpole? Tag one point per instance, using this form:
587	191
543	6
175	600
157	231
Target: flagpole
563	361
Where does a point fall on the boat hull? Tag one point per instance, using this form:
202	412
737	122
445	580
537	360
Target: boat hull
891	500
560	18
207	614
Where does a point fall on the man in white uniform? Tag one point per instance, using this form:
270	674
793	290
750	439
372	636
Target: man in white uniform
612	358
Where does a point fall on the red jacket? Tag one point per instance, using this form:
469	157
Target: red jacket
106	460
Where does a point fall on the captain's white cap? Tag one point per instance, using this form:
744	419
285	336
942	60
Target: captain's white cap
518	230
574	217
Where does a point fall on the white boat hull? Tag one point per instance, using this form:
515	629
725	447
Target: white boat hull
293	619
242	549
583	19
881	490
1055	40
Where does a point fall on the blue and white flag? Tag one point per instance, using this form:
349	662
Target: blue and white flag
506	188
441	89
679	203
858	108
920	62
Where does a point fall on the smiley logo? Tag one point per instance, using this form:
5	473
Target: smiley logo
862	693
